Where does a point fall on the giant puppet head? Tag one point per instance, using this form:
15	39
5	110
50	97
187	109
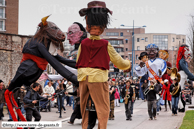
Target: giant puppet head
152	51
49	31
76	33
143	57
96	16
185	53
163	54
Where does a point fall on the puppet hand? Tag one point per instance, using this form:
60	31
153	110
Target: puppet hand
141	64
34	101
128	70
160	72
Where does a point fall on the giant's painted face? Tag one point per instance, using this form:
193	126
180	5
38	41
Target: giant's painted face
54	31
163	54
144	58
152	52
74	34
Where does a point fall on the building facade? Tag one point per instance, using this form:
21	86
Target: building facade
121	40
9	16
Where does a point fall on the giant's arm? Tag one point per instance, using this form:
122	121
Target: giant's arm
70	63
57	66
163	67
183	65
141	71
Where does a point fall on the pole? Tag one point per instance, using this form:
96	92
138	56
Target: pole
132	49
133	46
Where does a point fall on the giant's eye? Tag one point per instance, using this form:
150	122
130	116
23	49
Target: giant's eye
54	27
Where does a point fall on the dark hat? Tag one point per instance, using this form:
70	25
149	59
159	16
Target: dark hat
1	81
94	4
142	54
166	51
169	65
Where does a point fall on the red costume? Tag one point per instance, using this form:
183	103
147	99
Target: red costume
166	92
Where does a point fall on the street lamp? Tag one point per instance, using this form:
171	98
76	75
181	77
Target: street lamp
133	44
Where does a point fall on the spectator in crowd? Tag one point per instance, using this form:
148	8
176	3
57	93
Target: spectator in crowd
117	97
144	86
48	89
112	97
69	89
2	98
19	96
59	89
137	86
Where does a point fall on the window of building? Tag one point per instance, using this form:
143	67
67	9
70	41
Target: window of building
138	47
137	39
126	40
161	41
2	13
146	39
115	42
183	40
137	57
126	56
112	34
121	33
173	40
2	25
2	2
126	49
122	56
173	48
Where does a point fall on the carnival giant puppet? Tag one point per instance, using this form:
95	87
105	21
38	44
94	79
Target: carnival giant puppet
94	55
38	51
163	54
76	33
183	59
155	66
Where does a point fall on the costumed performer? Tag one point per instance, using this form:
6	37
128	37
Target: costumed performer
183	59
76	33
38	51
94	55
143	57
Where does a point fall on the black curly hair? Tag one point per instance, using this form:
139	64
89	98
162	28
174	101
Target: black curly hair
97	17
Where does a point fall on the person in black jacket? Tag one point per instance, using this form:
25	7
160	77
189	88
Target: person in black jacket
151	99
129	101
175	97
30	99
137	87
112	98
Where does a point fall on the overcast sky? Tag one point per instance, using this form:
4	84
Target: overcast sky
160	16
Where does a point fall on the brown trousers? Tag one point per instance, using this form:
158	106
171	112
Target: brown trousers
99	92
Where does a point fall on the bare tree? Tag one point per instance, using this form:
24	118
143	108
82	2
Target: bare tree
190	41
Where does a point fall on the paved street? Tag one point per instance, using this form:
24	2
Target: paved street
140	118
